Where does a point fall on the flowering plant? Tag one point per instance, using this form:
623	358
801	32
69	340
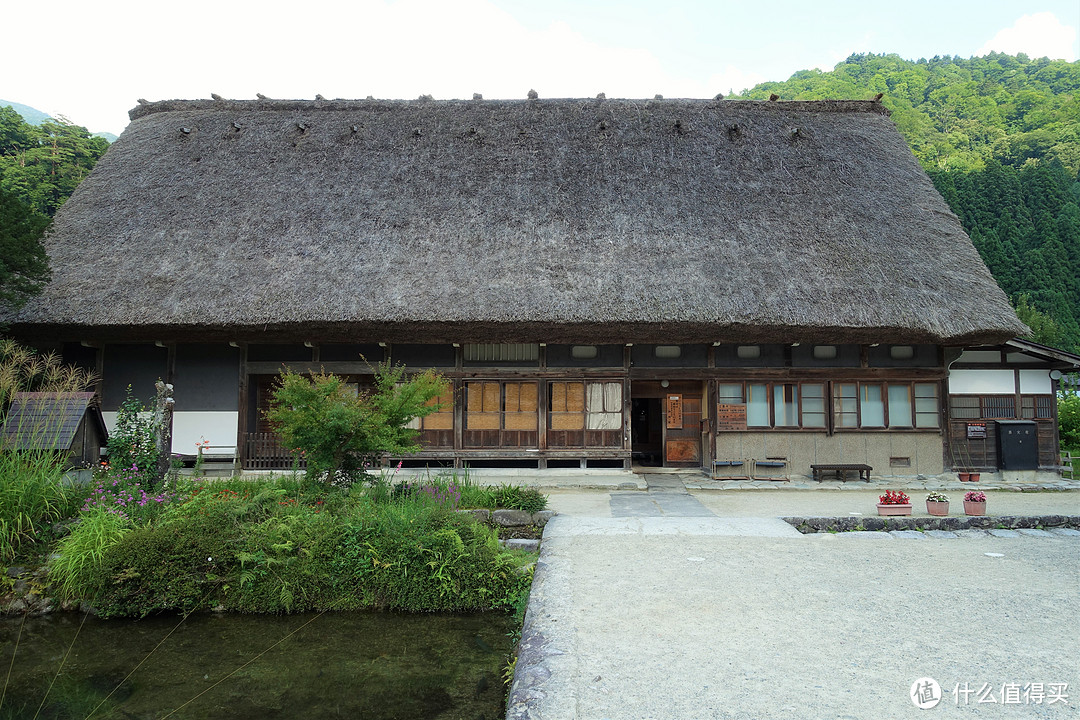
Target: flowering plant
975	496
123	494
935	496
894	497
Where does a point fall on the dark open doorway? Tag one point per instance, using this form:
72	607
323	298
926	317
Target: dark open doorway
646	432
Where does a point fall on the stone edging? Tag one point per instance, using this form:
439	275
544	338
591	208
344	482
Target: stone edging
807	525
510	518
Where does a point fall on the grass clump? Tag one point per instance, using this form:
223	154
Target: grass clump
32	495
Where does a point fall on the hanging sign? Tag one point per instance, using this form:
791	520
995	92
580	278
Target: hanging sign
674	411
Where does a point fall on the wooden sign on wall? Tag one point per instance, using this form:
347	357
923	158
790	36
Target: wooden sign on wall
674	411
730	416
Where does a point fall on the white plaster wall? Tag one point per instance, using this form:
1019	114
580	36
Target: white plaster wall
971	382
1035	382
217	427
191	427
1021	358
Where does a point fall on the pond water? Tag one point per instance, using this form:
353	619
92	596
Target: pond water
331	665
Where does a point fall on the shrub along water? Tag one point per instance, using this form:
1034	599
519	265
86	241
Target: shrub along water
287	545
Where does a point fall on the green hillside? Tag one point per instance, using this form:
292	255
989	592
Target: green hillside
1000	137
40	165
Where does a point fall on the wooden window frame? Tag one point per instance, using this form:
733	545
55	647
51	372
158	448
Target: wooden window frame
888	424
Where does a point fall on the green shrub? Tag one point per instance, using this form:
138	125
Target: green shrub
133	441
337	430
277	548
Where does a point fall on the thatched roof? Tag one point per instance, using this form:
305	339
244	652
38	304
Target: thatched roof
534	220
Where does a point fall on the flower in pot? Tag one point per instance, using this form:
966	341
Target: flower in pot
894	502
975	503
937	504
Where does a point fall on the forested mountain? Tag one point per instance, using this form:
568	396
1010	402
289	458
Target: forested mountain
1000	137
40	165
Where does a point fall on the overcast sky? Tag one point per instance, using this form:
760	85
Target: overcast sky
91	61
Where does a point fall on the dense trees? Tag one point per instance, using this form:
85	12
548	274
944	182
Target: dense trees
1000	137
41	165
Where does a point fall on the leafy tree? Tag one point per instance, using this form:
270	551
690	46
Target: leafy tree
1069	419
41	165
337	429
1043	328
24	266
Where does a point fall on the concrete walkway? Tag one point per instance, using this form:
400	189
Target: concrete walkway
675	603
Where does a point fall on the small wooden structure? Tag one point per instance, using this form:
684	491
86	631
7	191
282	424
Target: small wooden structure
67	422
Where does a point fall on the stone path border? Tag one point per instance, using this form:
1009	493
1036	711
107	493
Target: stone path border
808	525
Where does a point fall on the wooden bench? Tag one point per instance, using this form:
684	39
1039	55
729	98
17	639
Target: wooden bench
840	469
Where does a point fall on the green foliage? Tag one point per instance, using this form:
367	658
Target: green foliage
41	165
31	494
956	113
77	570
24	266
337	429
133	441
288	545
1069	420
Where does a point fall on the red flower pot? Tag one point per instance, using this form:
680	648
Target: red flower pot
974	477
964	476
974	508
883	509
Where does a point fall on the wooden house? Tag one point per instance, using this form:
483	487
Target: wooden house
602	281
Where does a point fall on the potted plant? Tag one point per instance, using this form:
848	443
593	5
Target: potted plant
937	504
975	503
894	502
964	464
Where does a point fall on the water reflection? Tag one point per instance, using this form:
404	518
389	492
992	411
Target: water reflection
347	665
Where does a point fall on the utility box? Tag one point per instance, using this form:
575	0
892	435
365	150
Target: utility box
1018	445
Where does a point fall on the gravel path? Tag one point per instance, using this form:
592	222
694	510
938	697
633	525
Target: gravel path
664	617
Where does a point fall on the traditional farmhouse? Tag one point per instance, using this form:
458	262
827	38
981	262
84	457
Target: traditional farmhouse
604	282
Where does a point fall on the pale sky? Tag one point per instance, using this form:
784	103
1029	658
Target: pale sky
91	61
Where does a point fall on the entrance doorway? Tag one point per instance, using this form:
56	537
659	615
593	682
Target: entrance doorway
665	423
646	432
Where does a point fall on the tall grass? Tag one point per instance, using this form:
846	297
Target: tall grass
81	554
31	494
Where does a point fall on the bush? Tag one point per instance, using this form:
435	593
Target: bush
277	546
338	429
1069	420
133	442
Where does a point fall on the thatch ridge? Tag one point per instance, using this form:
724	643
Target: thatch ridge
524	220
